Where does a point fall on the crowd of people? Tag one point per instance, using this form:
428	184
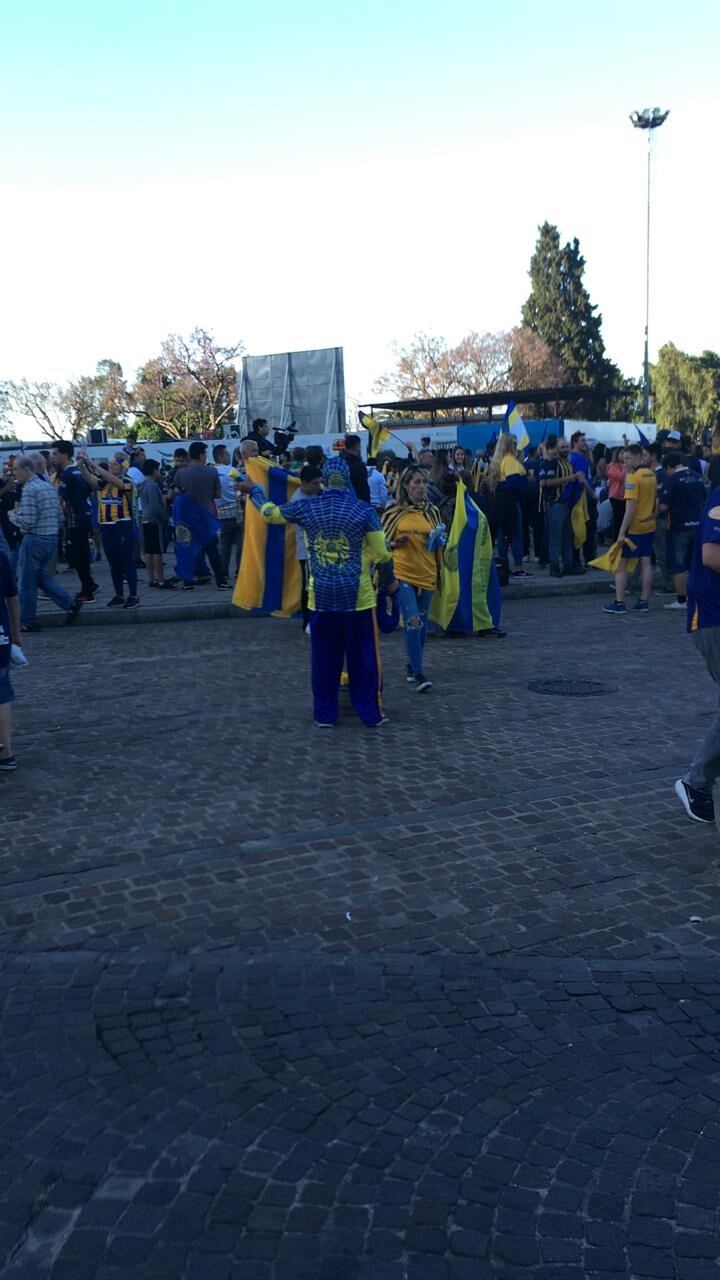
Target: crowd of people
362	527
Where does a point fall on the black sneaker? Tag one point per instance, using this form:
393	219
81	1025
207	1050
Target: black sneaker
117	602
698	804
409	674
422	683
188	586
30	627
73	612
224	585
556	573
132	602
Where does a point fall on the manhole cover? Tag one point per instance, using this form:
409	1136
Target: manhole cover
572	688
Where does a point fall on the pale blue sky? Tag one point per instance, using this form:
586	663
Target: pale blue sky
310	174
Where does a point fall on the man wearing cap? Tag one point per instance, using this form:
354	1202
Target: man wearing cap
343	537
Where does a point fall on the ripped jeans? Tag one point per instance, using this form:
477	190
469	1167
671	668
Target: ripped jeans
414	604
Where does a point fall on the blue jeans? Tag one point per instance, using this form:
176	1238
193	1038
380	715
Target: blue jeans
560	537
36	553
414	604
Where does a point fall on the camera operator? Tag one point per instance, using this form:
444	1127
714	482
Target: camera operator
260	436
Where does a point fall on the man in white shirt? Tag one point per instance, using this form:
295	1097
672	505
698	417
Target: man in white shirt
379	496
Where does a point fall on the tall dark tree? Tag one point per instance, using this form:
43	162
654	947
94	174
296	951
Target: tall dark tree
560	311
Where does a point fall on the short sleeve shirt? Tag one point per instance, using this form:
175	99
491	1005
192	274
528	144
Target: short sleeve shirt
198	483
683	493
703	589
74	491
641	486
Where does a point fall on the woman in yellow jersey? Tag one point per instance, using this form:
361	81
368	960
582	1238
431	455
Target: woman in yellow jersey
507	480
414	533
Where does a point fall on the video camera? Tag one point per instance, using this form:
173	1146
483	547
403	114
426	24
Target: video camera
283	439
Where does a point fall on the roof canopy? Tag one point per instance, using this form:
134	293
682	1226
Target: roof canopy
489	399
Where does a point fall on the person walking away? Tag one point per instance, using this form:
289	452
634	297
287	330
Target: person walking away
116	516
38	518
695	788
74	492
228	511
154	520
201	485
343	539
616	489
507	479
310	486
681	501
414	533
9	636
638	524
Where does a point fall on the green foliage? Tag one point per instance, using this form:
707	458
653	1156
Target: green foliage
560	311
686	389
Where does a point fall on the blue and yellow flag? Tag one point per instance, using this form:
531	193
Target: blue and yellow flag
514	424
195	526
575	498
377	432
270	579
469	596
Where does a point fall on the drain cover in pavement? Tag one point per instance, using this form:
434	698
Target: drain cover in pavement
572	688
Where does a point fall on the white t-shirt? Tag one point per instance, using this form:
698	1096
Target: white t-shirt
227	502
379	496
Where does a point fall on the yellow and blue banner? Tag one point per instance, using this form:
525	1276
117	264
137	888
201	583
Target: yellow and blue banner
574	496
195	526
513	423
377	432
469	596
270	578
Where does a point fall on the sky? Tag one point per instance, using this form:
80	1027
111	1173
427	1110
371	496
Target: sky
293	175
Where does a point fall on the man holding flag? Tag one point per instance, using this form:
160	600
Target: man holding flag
196	525
343	538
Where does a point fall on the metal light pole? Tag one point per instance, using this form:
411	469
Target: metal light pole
648	119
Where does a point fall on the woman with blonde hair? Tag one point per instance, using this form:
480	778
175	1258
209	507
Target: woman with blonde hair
507	480
415	535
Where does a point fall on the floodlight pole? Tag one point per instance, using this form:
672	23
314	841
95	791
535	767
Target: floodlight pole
650	120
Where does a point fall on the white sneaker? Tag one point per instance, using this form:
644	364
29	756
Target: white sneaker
676	604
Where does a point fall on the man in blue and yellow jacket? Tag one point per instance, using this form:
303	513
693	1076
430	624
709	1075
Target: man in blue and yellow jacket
344	539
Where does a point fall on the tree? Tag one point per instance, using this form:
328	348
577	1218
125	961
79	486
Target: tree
43	403
428	368
560	311
190	389
686	389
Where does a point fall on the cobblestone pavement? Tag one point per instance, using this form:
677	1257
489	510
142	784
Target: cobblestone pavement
439	1002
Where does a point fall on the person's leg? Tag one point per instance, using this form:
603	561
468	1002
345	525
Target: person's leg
6	720
705	765
213	554
412	623
566	538
662	547
646	566
518	549
424	599
227	542
127	541
327	635
554	533
27	581
618	510
79	541
112	552
590	545
304	595
364	666
50	586
158	568
621	582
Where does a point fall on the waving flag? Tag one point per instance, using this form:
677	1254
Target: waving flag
270	579
195	526
377	432
469	595
514	424
642	438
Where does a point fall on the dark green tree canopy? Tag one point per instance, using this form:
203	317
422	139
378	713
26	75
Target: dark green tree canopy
559	310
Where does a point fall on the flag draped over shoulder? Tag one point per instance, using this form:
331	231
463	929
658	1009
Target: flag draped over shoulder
514	424
575	498
270	580
469	596
377	432
195	526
